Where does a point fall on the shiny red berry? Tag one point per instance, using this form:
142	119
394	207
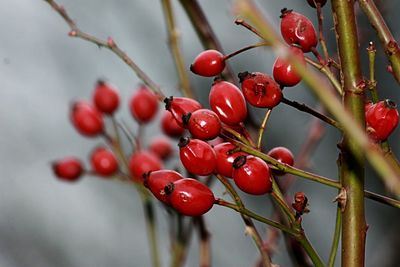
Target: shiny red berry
142	162
252	175
208	63
170	126
381	119
313	3
190	197
143	104
284	72
298	29
197	156
86	119
225	158
228	102
283	155
103	161
203	124
156	181
260	90
68	169
161	146
106	97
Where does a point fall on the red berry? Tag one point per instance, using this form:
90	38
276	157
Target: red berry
190	197
225	158
381	119
298	29
284	72
161	146
106	97
197	156
103	161
170	126
86	119
203	124
313	3
252	175
142	162
143	105
260	90
208	63
68	169
179	106
283	155
156	181
228	102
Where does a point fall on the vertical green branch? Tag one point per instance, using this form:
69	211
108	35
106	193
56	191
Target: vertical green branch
351	168
173	41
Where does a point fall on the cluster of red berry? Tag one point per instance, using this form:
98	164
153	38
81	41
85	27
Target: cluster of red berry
206	152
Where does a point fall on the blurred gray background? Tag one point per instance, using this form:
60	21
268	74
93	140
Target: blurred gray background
45	222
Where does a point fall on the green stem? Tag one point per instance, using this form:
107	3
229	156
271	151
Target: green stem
324	69
255	216
262	128
237	135
280	200
336	238
384	34
351	168
305	243
173	40
372	82
250	227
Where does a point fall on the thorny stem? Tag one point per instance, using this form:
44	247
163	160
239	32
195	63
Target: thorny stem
351	168
204	31
336	238
262	128
324	69
174	43
109	44
245	49
384	34
386	170
371	84
250	227
255	216
309	110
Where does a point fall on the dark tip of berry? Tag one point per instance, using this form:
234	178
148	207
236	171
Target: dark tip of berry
217	79
100	82
169	188
183	141
192	68
239	161
390	104
146	176
243	76
186	118
168	101
284	12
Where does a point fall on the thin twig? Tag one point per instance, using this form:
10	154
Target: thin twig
109	44
262	128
